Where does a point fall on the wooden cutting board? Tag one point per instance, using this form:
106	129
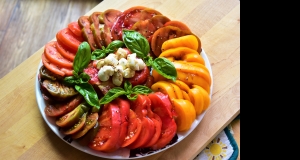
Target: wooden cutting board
25	135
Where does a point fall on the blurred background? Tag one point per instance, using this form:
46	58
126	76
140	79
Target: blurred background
27	25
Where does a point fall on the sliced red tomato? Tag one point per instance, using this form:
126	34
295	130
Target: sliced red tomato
140	77
161	105
134	129
55	57
76	29
141	106
54	68
110	16
107	137
93	73
59	109
65	52
129	17
124	106
66	37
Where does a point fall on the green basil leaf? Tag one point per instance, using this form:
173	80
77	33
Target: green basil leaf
114	45
136	43
127	87
82	58
140	89
89	94
84	77
70	80
132	97
165	68
98	54
112	94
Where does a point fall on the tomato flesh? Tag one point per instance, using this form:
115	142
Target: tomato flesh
107	137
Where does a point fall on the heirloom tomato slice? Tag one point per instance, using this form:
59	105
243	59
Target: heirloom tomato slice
134	129
161	105
107	137
69	39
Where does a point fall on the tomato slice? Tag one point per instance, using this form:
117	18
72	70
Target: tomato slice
161	105
139	77
134	129
90	122
51	67
107	137
76	29
163	34
66	37
65	52
59	109
76	127
124	106
93	73
178	24
55	57
141	106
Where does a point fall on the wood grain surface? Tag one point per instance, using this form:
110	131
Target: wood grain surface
27	25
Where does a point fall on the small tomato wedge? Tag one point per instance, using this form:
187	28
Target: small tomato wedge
107	137
140	77
59	109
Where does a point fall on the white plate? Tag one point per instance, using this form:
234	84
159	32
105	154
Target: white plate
121	153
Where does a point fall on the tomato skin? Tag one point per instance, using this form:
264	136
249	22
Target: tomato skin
75	28
141	106
59	109
66	37
161	105
55	57
134	129
140	77
93	73
107	137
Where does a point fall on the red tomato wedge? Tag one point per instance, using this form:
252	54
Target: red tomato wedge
124	106
107	137
65	52
141	106
52	54
54	68
66	37
139	77
59	109
161	105
134	129
75	28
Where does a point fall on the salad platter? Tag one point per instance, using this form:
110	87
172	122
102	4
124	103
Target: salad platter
129	36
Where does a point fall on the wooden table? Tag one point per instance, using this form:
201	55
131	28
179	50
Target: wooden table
25	135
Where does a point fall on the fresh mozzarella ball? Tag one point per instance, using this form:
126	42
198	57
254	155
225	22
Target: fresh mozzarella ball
117	77
131	61
100	63
140	64
121	53
105	72
123	62
111	59
128	73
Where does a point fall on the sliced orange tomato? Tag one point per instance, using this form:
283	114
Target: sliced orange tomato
75	28
52	54
186	114
68	38
178	24
189	41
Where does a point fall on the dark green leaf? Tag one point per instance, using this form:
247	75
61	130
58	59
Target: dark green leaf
140	89
136	43
114	45
132	97
82	58
112	94
98	54
165	68
89	94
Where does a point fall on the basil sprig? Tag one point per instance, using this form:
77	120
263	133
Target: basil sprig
129	91
111	48
138	44
80	79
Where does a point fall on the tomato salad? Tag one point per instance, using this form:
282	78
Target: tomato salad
130	79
